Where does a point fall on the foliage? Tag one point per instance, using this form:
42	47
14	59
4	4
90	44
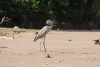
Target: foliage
70	14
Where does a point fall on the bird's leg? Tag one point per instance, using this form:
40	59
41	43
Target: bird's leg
44	42
40	43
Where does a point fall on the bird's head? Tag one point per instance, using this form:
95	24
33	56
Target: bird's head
51	22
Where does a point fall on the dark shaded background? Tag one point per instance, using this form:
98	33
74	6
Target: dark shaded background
70	14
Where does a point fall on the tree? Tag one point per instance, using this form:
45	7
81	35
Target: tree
70	14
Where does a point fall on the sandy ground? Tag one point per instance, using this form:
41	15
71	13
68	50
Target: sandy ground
66	49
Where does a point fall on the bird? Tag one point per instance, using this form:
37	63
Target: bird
42	33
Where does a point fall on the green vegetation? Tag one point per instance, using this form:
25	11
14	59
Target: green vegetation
70	14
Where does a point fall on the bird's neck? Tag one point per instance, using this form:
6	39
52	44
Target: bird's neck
47	25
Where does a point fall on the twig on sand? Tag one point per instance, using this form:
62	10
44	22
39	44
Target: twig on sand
97	41
5	19
3	37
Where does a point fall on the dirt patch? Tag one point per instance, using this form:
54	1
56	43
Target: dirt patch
67	49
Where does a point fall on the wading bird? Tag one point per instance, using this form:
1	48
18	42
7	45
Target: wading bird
42	33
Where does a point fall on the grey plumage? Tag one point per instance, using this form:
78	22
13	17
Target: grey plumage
44	31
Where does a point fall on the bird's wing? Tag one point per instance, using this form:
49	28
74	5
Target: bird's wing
42	32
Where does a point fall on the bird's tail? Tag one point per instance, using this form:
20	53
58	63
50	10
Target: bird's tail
35	39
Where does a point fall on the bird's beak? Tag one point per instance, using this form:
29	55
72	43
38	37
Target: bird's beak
55	23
